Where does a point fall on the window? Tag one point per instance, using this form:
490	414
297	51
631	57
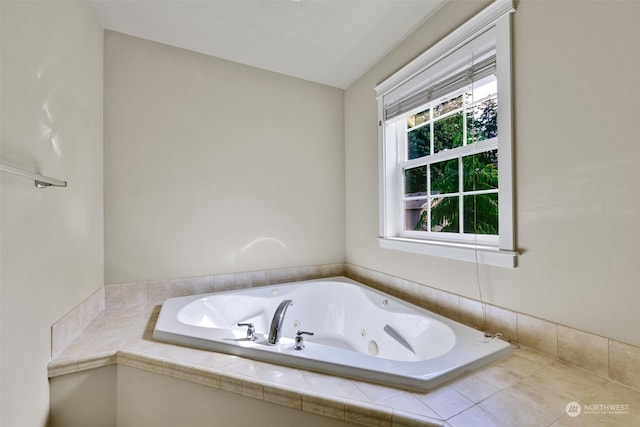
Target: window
445	146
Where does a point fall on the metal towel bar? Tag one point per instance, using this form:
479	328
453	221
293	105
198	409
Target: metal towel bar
41	181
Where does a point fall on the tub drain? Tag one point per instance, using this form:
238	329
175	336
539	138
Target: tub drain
373	348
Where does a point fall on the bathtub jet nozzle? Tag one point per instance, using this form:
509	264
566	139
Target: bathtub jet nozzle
275	331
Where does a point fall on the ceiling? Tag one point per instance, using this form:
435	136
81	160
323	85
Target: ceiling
332	42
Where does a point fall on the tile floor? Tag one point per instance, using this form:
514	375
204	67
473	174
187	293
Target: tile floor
525	389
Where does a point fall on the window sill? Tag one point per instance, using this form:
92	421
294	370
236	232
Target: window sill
462	252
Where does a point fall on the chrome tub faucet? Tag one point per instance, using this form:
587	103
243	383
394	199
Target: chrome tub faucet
275	331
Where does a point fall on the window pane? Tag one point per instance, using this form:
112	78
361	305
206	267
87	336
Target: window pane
485	88
415	215
480	171
448	133
418	119
481	214
444	177
419	142
415	181
444	214
447	106
482	121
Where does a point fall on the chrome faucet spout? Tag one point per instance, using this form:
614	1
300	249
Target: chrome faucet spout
275	331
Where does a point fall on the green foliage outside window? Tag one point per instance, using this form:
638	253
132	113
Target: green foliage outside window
480	172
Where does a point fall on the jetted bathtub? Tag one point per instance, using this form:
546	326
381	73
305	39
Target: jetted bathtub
357	332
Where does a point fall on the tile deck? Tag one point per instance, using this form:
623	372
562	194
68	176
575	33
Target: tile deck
524	389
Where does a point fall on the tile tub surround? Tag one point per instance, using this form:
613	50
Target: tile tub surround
65	330
600	355
605	357
125	294
527	388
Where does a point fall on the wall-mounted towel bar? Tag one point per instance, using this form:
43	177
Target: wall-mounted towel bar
41	180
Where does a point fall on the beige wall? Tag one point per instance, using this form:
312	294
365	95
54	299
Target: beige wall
127	396
215	167
577	144
51	239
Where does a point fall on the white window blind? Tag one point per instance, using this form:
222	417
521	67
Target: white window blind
469	63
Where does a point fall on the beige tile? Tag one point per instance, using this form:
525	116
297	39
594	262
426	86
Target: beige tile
503	321
472	313
295	274
332	270
62	366
538	358
259	278
97	360
239	366
177	369
334	386
519	365
276	276
253	389
61	335
220	360
614	393
408	402
412	290
324	405
623	409
512	411
499	376
231	382
242	280
366	414
204	284
157	349
588	351
281	375
113	295
541	397
158	291
407	419
538	334
446	402
429	298
182	287
376	392
101	295
310	272
567	380
193	356
208	377
80	345
283	396
475	417
134	360
224	282
474	387
597	420
624	363
448	304
368	277
134	293
610	405
110	339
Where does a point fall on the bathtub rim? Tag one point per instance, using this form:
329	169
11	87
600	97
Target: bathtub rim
443	366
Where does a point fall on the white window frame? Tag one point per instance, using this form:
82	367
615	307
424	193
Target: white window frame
433	64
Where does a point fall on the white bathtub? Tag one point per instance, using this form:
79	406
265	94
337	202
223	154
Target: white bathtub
358	332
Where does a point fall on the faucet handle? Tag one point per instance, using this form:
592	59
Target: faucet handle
299	345
251	331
